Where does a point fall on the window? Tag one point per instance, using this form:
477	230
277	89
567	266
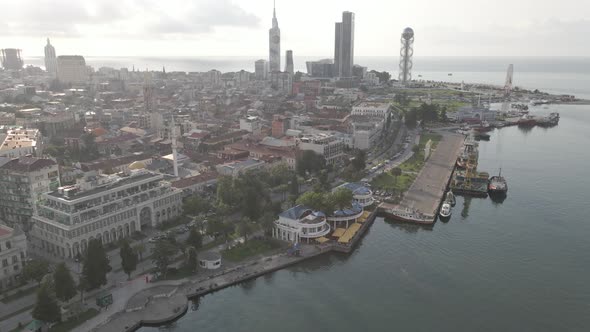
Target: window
14	259
8	245
4	262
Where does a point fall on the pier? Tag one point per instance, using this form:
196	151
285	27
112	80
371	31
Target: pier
422	201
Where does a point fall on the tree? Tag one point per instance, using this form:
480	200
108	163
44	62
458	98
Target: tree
359	161
64	285
411	118
195	205
191	259
395	172
128	258
313	200
139	250
96	265
415	148
342	197
294	185
46	309
162	255
245	228
35	270
195	239
268	222
311	162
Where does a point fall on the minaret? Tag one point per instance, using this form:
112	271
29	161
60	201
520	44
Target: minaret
274	43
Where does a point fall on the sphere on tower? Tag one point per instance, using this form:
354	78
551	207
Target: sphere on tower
408	33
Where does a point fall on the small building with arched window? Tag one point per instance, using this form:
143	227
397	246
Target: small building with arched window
300	223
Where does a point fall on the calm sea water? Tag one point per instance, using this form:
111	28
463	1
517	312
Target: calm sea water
519	265
568	75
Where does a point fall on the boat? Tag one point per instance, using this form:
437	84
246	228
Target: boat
445	210
451	198
483	126
482	136
408	215
497	184
450	74
526	121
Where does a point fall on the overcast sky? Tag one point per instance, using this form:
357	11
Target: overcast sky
240	27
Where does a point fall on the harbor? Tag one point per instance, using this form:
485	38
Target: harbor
422	201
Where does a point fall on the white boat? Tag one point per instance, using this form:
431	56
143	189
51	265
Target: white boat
445	210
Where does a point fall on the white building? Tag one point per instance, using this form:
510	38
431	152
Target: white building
366	133
104	207
209	260
13	255
71	69
299	224
327	145
238	167
261	69
251	124
360	194
372	109
21	142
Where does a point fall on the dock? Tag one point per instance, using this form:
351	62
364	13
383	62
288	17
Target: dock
422	201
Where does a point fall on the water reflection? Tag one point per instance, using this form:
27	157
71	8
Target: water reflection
407	227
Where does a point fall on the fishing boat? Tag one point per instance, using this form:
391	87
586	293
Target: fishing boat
497	184
445	210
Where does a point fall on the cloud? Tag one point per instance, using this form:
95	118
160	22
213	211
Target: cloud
123	18
546	37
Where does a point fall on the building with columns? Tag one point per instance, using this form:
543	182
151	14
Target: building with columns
103	207
300	224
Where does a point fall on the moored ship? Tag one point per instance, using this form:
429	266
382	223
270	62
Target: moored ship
497	184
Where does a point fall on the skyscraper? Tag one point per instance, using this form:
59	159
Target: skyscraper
149	97
289	68
344	46
50	59
274	44
260	69
11	59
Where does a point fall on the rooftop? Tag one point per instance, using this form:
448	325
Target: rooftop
27	164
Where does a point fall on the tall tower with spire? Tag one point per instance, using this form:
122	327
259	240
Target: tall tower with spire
50	59
274	44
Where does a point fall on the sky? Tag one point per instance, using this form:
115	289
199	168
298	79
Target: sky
240	27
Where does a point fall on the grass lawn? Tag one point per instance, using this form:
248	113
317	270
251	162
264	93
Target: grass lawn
386	181
19	294
175	274
72	323
251	248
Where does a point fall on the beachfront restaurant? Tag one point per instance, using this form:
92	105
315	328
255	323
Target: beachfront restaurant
300	224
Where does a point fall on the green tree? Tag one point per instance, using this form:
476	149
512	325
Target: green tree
162	255
294	185
342	197
313	200
191	259
411	118
195	239
359	160
128	258
267	222
96	265
195	205
310	162
35	270
415	148
46	308
225	191
245	228
139	250
396	172
64	285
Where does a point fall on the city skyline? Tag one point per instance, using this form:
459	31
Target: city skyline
131	28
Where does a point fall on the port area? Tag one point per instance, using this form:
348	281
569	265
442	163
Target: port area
421	202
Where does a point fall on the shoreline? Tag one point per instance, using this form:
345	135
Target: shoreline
159	307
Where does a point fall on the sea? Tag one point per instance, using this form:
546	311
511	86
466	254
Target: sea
558	75
521	264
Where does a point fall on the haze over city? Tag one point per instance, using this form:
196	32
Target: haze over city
220	27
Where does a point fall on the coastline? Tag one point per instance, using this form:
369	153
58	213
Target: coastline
154	307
